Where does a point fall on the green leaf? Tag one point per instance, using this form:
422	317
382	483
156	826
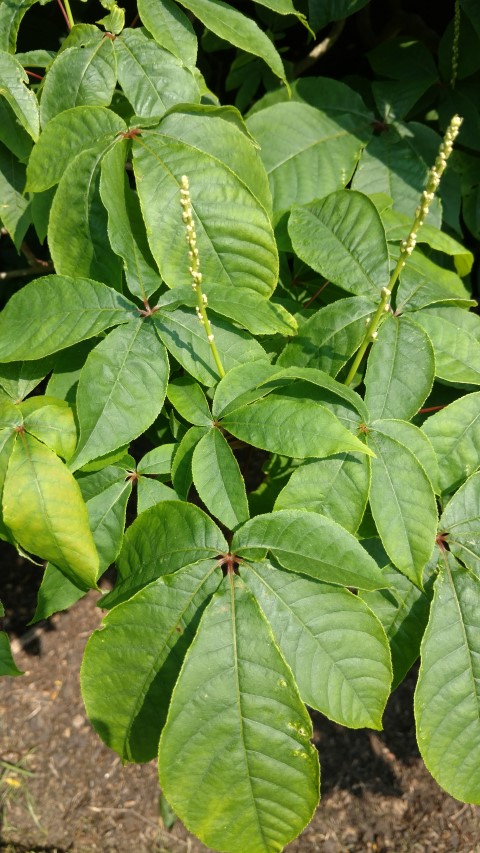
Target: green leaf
310	544
12	134
342	237
79	128
170	28
182	477
234	234
151	492
291	427
337	487
330	337
44	510
11	15
129	371
400	369
157	461
106	494
240	30
78	309
152	79
40	206
7	663
461	522
19	378
83	75
161	540
402	503
424	283
218	480
258	785
254	313
63	382
455	335
398	226
21	99
57	592
455	435
306	152
403	611
447	696
131	664
242	385
190	402
77	211
390	164
321	12
319	630
322	380
186	339
416	441
14	207
8	438
126	229
52	422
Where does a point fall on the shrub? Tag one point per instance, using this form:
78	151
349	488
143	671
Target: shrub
241	328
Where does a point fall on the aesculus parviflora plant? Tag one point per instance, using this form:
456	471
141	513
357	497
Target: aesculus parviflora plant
192	248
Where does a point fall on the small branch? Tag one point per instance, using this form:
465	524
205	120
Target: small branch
31	258
320	49
47	266
67	20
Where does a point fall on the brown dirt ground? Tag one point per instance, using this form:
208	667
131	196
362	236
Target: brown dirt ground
68	792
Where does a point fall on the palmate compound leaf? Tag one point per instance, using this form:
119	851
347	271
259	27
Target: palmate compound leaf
132	663
402	501
447	698
129	371
44	509
237	723
163	539
234	233
461	522
336	647
72	310
311	544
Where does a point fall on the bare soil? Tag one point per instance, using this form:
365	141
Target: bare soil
62	790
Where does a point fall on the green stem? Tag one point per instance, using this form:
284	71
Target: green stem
202	312
407	246
69	13
371	332
195	273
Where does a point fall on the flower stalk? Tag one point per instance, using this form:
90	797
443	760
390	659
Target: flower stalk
194	269
407	246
